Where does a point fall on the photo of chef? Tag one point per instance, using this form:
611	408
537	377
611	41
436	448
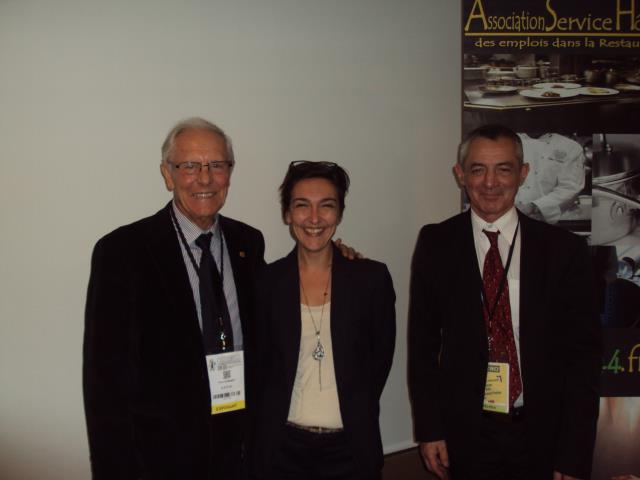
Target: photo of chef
616	189
557	188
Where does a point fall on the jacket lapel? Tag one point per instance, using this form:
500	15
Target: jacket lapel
532	279
470	277
165	251
237	250
288	297
341	297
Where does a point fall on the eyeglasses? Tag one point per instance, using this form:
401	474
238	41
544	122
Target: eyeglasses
223	167
306	163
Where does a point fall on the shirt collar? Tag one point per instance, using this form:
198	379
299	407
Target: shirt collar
189	229
506	224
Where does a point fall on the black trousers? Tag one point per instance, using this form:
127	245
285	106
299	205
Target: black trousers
311	456
501	454
227	446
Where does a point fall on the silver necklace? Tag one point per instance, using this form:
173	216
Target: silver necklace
318	352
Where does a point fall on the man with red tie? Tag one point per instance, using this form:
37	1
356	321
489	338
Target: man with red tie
504	340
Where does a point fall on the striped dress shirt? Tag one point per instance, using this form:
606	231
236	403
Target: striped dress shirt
191	233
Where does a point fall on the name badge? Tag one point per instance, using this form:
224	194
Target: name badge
496	391
226	381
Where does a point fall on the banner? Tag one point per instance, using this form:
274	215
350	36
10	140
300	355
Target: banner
566	76
602	26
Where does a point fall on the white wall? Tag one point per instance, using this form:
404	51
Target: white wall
89	89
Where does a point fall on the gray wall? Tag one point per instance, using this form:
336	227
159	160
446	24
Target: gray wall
88	91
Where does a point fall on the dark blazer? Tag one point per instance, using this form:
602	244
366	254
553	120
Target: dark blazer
146	389
363	340
560	348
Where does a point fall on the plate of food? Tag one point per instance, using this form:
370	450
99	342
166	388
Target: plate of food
554	85
598	91
498	89
627	88
549	94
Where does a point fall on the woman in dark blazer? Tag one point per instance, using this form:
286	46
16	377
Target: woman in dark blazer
325	336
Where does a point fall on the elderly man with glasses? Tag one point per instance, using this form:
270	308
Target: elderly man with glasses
168	313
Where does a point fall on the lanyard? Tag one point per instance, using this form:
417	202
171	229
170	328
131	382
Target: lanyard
492	311
190	254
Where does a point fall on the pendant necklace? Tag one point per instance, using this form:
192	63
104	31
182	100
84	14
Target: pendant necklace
318	352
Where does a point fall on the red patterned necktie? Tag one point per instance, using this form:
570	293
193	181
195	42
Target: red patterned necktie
502	345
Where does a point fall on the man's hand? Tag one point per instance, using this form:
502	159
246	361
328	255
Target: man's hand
561	476
347	251
436	458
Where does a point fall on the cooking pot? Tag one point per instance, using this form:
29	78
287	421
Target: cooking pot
593	75
613	215
525	71
611	77
613	168
474	73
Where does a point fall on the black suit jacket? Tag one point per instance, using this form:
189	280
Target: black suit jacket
559	344
363	340
146	389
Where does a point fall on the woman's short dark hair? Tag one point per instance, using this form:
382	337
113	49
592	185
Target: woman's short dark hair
303	169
